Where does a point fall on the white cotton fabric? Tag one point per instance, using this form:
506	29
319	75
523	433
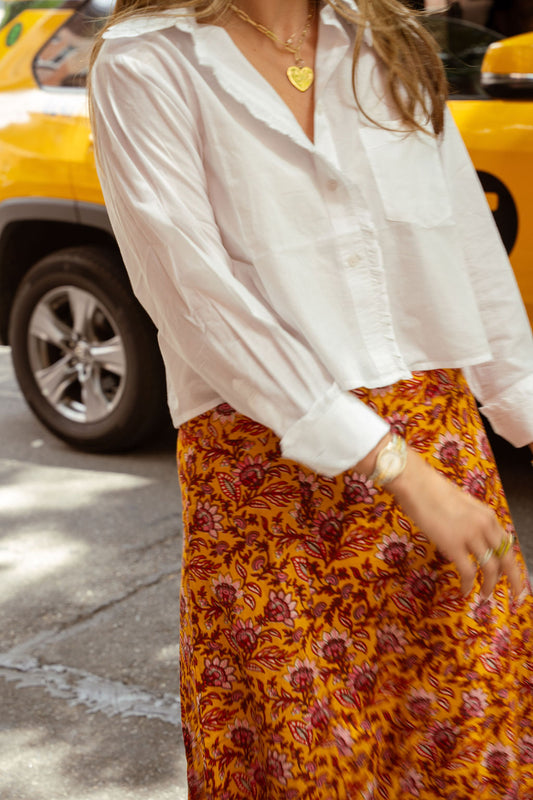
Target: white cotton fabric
282	273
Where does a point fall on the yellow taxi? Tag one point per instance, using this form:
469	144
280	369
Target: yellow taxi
84	351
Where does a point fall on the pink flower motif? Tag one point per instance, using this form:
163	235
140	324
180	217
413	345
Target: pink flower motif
250	472
475	483
207	519
419	703
483	445
497	757
444	735
281	608
390	639
246	635
334	645
412	782
226	590
481	610
398	423
241	733
343	740
422	584
475	703
302	675
218	672
363	677
318	715
500	642
448	449
526	749
309	480
278	766
328	525
186	646
358	488
224	412
393	549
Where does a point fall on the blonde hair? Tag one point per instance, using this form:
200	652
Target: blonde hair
415	79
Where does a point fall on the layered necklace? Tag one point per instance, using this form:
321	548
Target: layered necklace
299	75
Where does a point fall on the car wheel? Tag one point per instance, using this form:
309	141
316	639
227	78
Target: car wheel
85	353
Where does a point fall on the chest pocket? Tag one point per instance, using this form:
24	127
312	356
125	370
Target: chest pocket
408	173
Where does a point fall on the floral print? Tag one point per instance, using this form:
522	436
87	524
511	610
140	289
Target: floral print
326	650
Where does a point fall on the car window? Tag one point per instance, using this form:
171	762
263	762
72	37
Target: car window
462	45
64	59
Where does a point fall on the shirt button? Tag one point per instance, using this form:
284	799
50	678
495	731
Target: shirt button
353	261
332	184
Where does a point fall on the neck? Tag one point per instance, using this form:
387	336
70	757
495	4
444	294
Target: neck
281	16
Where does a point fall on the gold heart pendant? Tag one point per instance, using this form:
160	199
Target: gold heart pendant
301	77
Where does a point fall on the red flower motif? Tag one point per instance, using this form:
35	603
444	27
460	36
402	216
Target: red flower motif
475	483
363	677
319	714
226	590
474	703
358	489
497	759
278	766
302	675
394	549
334	645
422	584
328	525
526	750
419	703
448	449
218	672
246	635
224	413
390	639
281	608
250	472
241	733
444	736
207	519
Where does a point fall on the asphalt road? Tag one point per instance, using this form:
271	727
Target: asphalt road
89	568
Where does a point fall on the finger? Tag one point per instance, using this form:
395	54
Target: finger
491	575
467	572
511	568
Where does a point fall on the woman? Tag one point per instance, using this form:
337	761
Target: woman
325	277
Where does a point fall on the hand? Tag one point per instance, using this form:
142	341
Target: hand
462	528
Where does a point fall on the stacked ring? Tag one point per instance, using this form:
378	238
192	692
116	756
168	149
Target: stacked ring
486	557
505	545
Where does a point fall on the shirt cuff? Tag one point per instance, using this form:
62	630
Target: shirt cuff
336	433
511	412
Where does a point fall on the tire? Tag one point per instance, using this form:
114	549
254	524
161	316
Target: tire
85	353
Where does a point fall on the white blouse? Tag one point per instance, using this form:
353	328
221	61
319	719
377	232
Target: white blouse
282	273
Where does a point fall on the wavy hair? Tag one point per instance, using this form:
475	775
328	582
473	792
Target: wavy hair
415	79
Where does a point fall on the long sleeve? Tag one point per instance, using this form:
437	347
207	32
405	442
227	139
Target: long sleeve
503	386
150	167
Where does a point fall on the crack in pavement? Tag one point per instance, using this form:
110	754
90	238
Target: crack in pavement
173	570
80	687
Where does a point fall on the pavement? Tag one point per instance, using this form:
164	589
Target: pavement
90	550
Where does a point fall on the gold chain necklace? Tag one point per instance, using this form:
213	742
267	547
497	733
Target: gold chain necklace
300	76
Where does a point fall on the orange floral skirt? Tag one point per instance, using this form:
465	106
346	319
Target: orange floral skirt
326	650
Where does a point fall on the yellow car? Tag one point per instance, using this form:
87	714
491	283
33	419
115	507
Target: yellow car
84	351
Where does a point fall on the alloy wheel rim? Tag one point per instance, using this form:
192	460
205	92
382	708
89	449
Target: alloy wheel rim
76	354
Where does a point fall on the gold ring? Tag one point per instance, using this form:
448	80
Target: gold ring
505	545
486	557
